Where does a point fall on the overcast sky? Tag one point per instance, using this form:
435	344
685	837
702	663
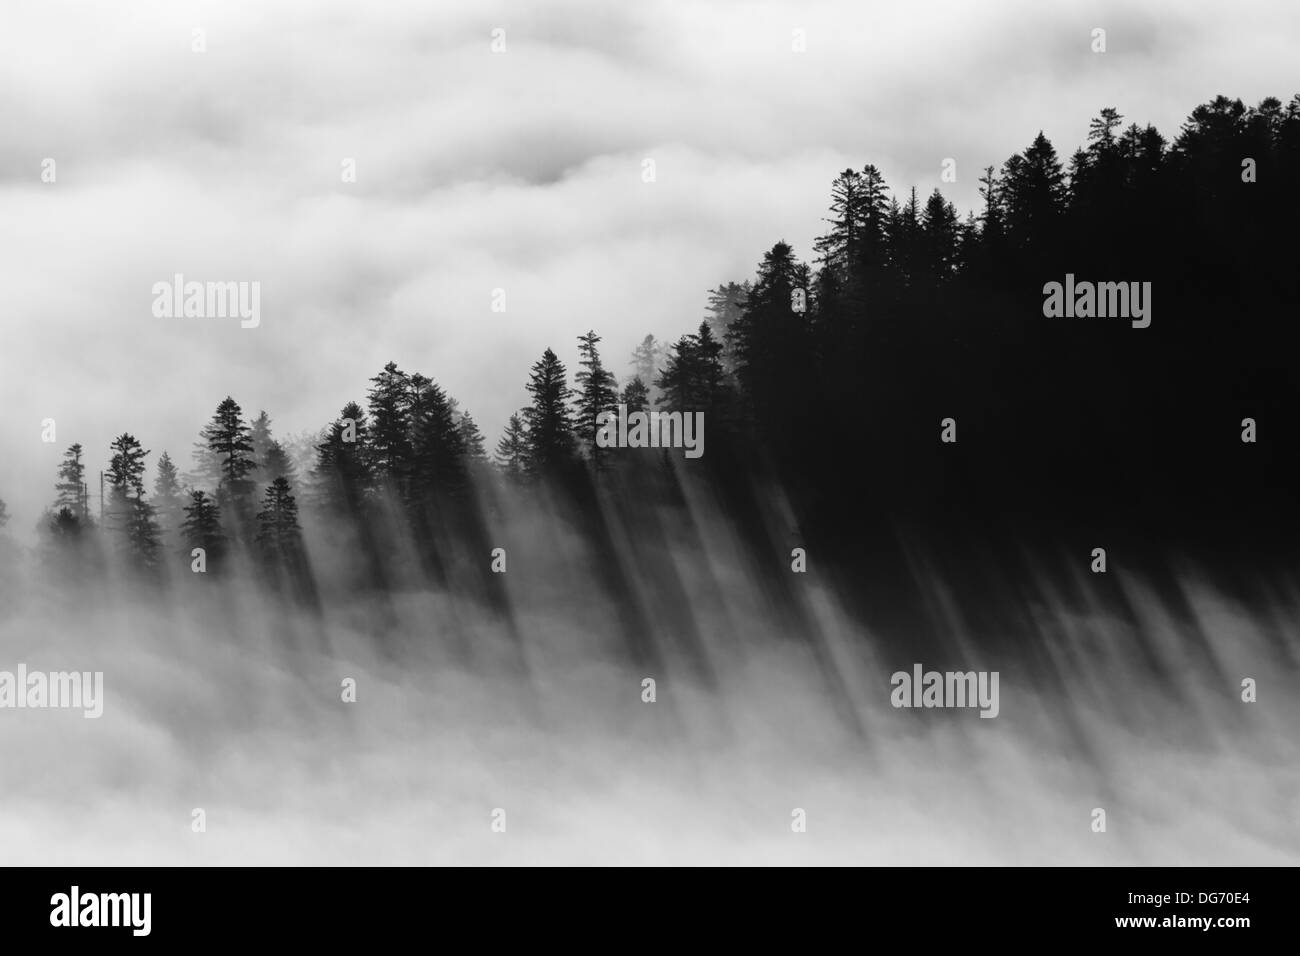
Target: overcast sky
476	170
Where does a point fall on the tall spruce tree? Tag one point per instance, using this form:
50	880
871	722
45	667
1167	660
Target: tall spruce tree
512	449
259	436
550	428
276	463
436	451
645	359
693	379
596	393
841	248
344	474
390	426
635	395
129	515
71	486
905	239
202	528
228	437
725	305
1035	195
855	250
167	492
773	347
678	382
940	231
279	536
992	221
67	526
471	439
125	474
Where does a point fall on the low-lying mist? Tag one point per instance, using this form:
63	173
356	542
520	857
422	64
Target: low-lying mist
223	696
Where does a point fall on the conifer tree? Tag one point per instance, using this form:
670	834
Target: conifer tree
168	500
259	436
905	238
278	533
67	526
841	249
1101	129
202	527
276	463
725	305
693	378
772	345
71	487
389	401
167	490
645	359
940	236
436	453
678	382
596	393
471	439
344	475
125	475
854	252
512	449
130	516
635	396
550	428
228	438
1034	189
992	220
268	463
710	374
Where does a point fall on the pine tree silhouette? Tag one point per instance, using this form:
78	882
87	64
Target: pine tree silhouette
278	533
167	493
550	428
71	487
344	475
202	528
471	439
390	428
512	450
596	393
635	395
228	438
129	516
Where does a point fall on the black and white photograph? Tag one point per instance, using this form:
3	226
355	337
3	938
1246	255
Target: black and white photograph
649	435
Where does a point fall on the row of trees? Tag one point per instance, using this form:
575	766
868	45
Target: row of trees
142	528
410	446
907	313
